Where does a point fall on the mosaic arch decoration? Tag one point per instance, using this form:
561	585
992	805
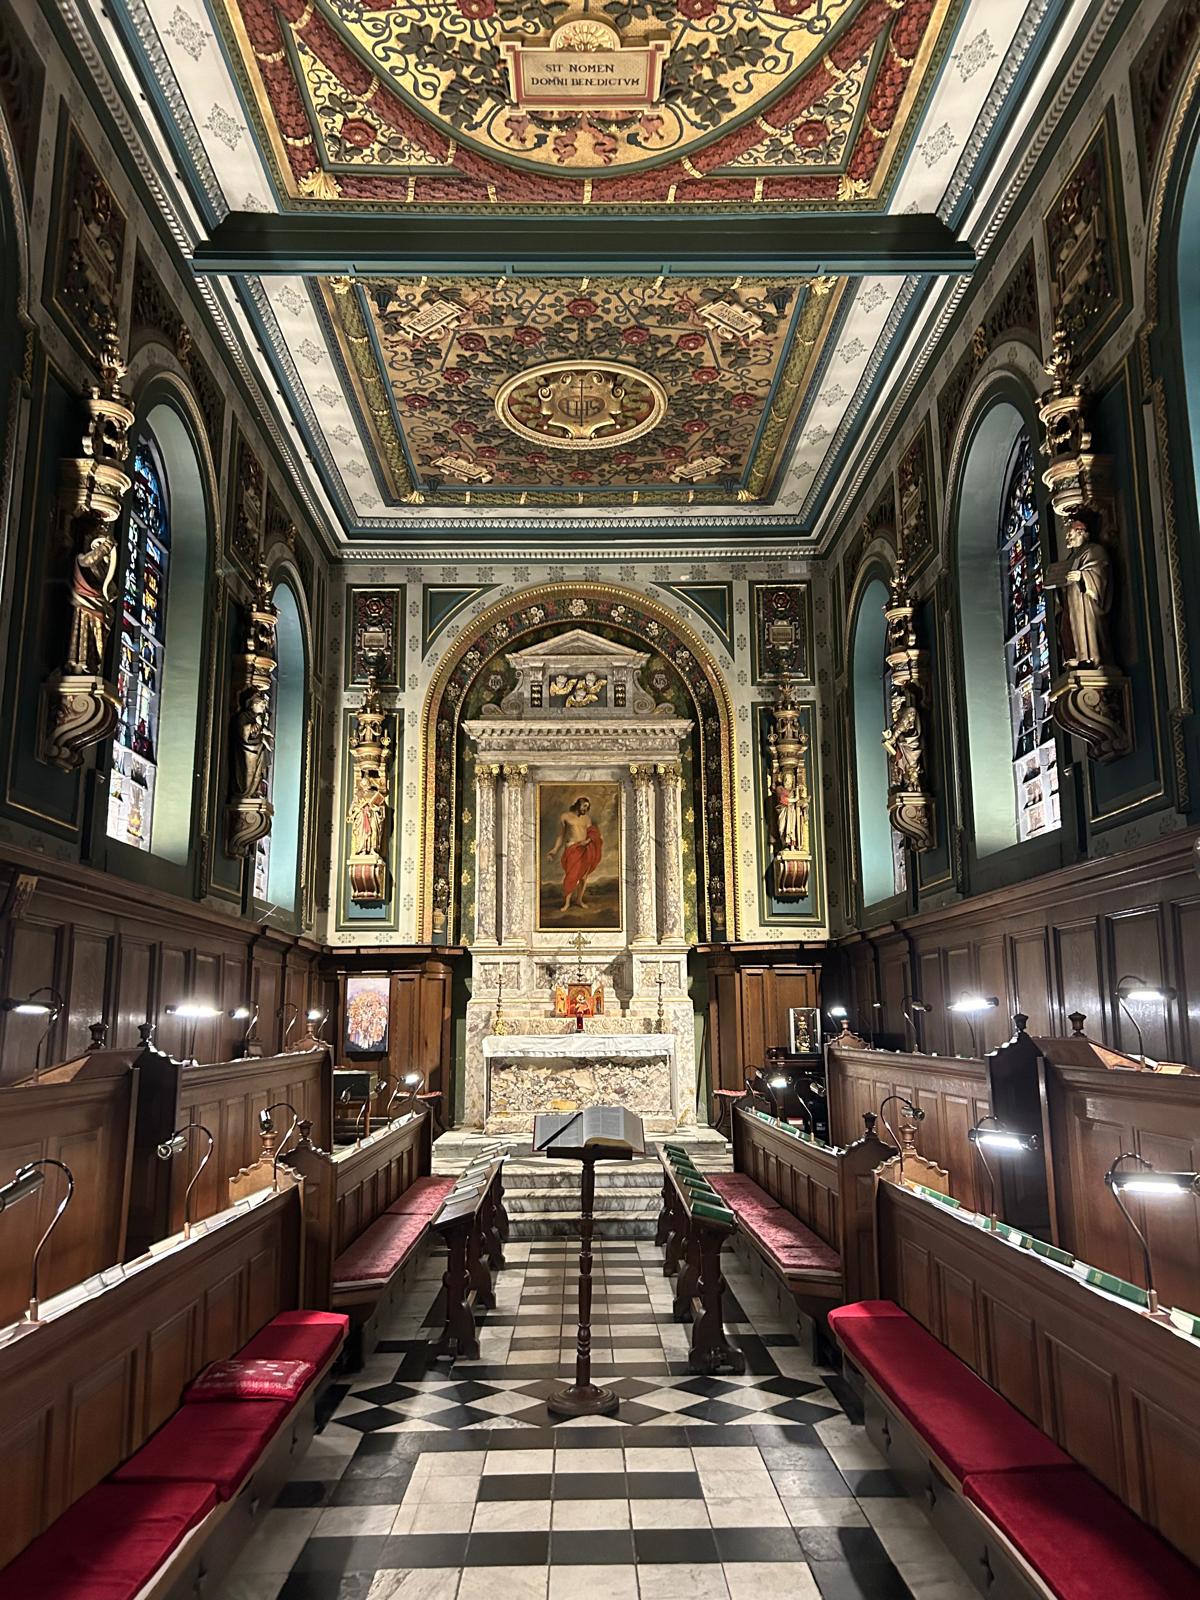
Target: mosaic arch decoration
539	612
633	103
552	391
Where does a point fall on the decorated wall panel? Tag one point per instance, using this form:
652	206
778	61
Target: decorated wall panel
87	262
1085	248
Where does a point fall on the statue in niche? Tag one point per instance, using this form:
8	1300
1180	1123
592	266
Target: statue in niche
904	742
786	800
1084	582
252	740
368	814
92	579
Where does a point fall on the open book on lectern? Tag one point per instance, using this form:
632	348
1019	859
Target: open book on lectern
608	1130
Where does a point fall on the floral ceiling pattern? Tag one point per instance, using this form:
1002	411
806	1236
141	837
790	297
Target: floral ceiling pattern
374	103
471	386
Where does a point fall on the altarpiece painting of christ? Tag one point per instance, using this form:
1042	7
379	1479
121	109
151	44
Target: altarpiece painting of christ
579	856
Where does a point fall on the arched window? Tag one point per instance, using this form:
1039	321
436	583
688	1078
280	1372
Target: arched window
880	849
1011	750
147	559
277	859
164	568
1027	648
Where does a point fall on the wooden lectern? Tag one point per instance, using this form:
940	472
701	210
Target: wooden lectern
599	1133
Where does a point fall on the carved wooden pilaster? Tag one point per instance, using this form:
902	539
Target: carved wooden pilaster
645	921
910	803
516	777
79	705
486	773
670	783
369	817
1091	696
248	811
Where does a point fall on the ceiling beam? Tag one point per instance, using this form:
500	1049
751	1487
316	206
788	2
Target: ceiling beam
821	244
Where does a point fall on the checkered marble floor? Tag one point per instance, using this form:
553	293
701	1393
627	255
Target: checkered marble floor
430	1484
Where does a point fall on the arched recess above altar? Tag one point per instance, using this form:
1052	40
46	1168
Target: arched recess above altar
583	756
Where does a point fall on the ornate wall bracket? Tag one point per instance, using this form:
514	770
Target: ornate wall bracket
1090	698
79	705
369	816
248	812
788	799
910	802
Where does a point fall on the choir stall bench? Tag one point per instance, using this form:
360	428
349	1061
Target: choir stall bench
804	1211
1049	1428
693	1227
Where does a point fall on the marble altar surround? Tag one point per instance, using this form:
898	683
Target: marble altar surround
578	716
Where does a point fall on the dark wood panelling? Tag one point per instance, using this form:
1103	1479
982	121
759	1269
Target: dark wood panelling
1057	943
952	1092
751	991
82	1391
1115	1388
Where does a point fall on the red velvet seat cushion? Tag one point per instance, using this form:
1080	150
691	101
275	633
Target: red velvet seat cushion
793	1246
1079	1538
255	1378
967	1425
380	1249
741	1191
424	1195
217	1443
109	1544
314	1336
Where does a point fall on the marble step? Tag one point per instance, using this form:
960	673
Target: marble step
565	1225
544	1175
534	1201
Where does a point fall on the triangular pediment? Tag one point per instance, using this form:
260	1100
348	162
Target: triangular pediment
575	644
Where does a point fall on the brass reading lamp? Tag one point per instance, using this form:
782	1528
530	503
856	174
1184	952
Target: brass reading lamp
1138	990
913	1009
1147	1184
26	1182
249	1045
266	1127
1000	1141
909	1110
410	1083
180	1141
51	1009
381	1086
316	1020
841	1016
195	1012
968	1006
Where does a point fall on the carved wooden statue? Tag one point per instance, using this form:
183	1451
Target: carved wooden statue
788	800
910	802
369	813
79	704
1091	697
248	811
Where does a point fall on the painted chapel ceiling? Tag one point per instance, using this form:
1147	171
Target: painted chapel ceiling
724	394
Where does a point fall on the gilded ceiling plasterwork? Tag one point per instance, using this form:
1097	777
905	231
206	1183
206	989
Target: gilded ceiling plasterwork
555	391
624	103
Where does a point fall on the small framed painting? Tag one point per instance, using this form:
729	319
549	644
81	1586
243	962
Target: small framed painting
804	1030
367	1014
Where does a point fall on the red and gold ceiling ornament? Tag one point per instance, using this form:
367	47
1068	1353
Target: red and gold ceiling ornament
473	103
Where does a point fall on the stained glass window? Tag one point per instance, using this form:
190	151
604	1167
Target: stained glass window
143	601
1026	649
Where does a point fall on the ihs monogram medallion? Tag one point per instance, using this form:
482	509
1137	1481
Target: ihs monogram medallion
581	405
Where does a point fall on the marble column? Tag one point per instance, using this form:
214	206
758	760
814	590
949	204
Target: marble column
516	776
485	852
645	921
670	782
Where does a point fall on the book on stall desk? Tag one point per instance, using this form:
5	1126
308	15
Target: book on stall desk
612	1131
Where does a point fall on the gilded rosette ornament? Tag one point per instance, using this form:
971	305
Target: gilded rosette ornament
788	799
910	803
248	811
79	705
369	816
1091	697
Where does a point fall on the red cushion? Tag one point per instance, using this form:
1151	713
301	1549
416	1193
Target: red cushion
216	1443
867	1308
380	1249
967	1425
109	1544
254	1379
314	1336
1079	1538
424	1195
740	1191
795	1247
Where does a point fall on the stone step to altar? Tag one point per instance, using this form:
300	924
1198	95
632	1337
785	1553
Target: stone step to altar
542	1196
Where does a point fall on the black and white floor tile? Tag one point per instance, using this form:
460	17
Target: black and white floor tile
433	1484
